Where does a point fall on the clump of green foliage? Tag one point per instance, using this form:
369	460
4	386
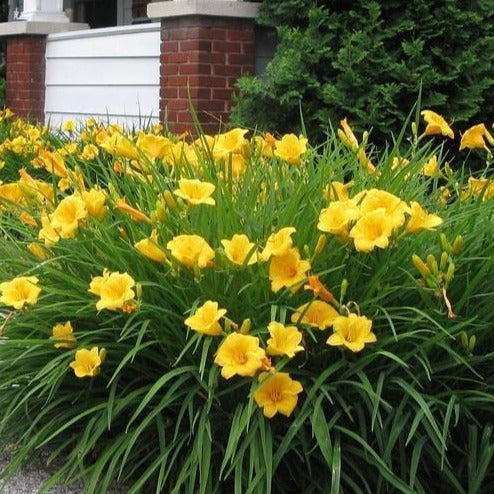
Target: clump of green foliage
118	381
366	60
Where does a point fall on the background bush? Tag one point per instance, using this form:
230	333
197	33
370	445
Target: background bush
366	60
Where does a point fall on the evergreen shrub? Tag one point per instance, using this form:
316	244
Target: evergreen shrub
366	60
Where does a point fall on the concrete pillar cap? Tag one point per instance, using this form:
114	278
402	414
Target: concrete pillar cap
16	28
211	8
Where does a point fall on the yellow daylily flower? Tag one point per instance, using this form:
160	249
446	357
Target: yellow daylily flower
115	291
191	250
475	137
317	314
238	248
68	126
235	164
338	216
20	291
337	191
431	168
372	230
153	146
420	219
47	233
89	152
285	340
64	334
87	362
265	145
436	125
68	215
373	199
10	194
120	146
35	189
278	243
288	270
399	163
352	332
27	219
205	319
231	142
291	148
149	248
365	162
241	355
94	200
277	393
195	192
52	162
478	187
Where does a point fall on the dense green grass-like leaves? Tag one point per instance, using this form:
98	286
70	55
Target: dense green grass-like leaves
408	413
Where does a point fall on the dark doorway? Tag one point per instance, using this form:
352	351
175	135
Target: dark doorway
97	13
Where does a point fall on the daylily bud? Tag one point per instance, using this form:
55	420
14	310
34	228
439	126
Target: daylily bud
343	289
365	137
123	233
471	343
159	214
457	245
112	190
450	273
432	264
414	128
443	262
169	199
420	265
464	340
228	325
344	139
321	243
445	245
139	290
245	327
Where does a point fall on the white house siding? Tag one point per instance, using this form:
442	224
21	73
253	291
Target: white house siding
111	74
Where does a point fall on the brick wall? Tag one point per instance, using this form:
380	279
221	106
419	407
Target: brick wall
26	76
201	59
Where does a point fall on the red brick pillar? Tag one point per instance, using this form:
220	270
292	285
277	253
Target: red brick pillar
205	48
26	47
26	76
201	59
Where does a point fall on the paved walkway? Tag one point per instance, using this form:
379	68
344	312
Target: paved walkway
30	478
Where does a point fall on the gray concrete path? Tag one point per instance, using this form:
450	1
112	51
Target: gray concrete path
31	477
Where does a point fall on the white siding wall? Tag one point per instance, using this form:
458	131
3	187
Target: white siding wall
111	74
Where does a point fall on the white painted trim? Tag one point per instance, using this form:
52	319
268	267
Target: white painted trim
32	27
124	12
106	31
120	13
43	11
214	8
